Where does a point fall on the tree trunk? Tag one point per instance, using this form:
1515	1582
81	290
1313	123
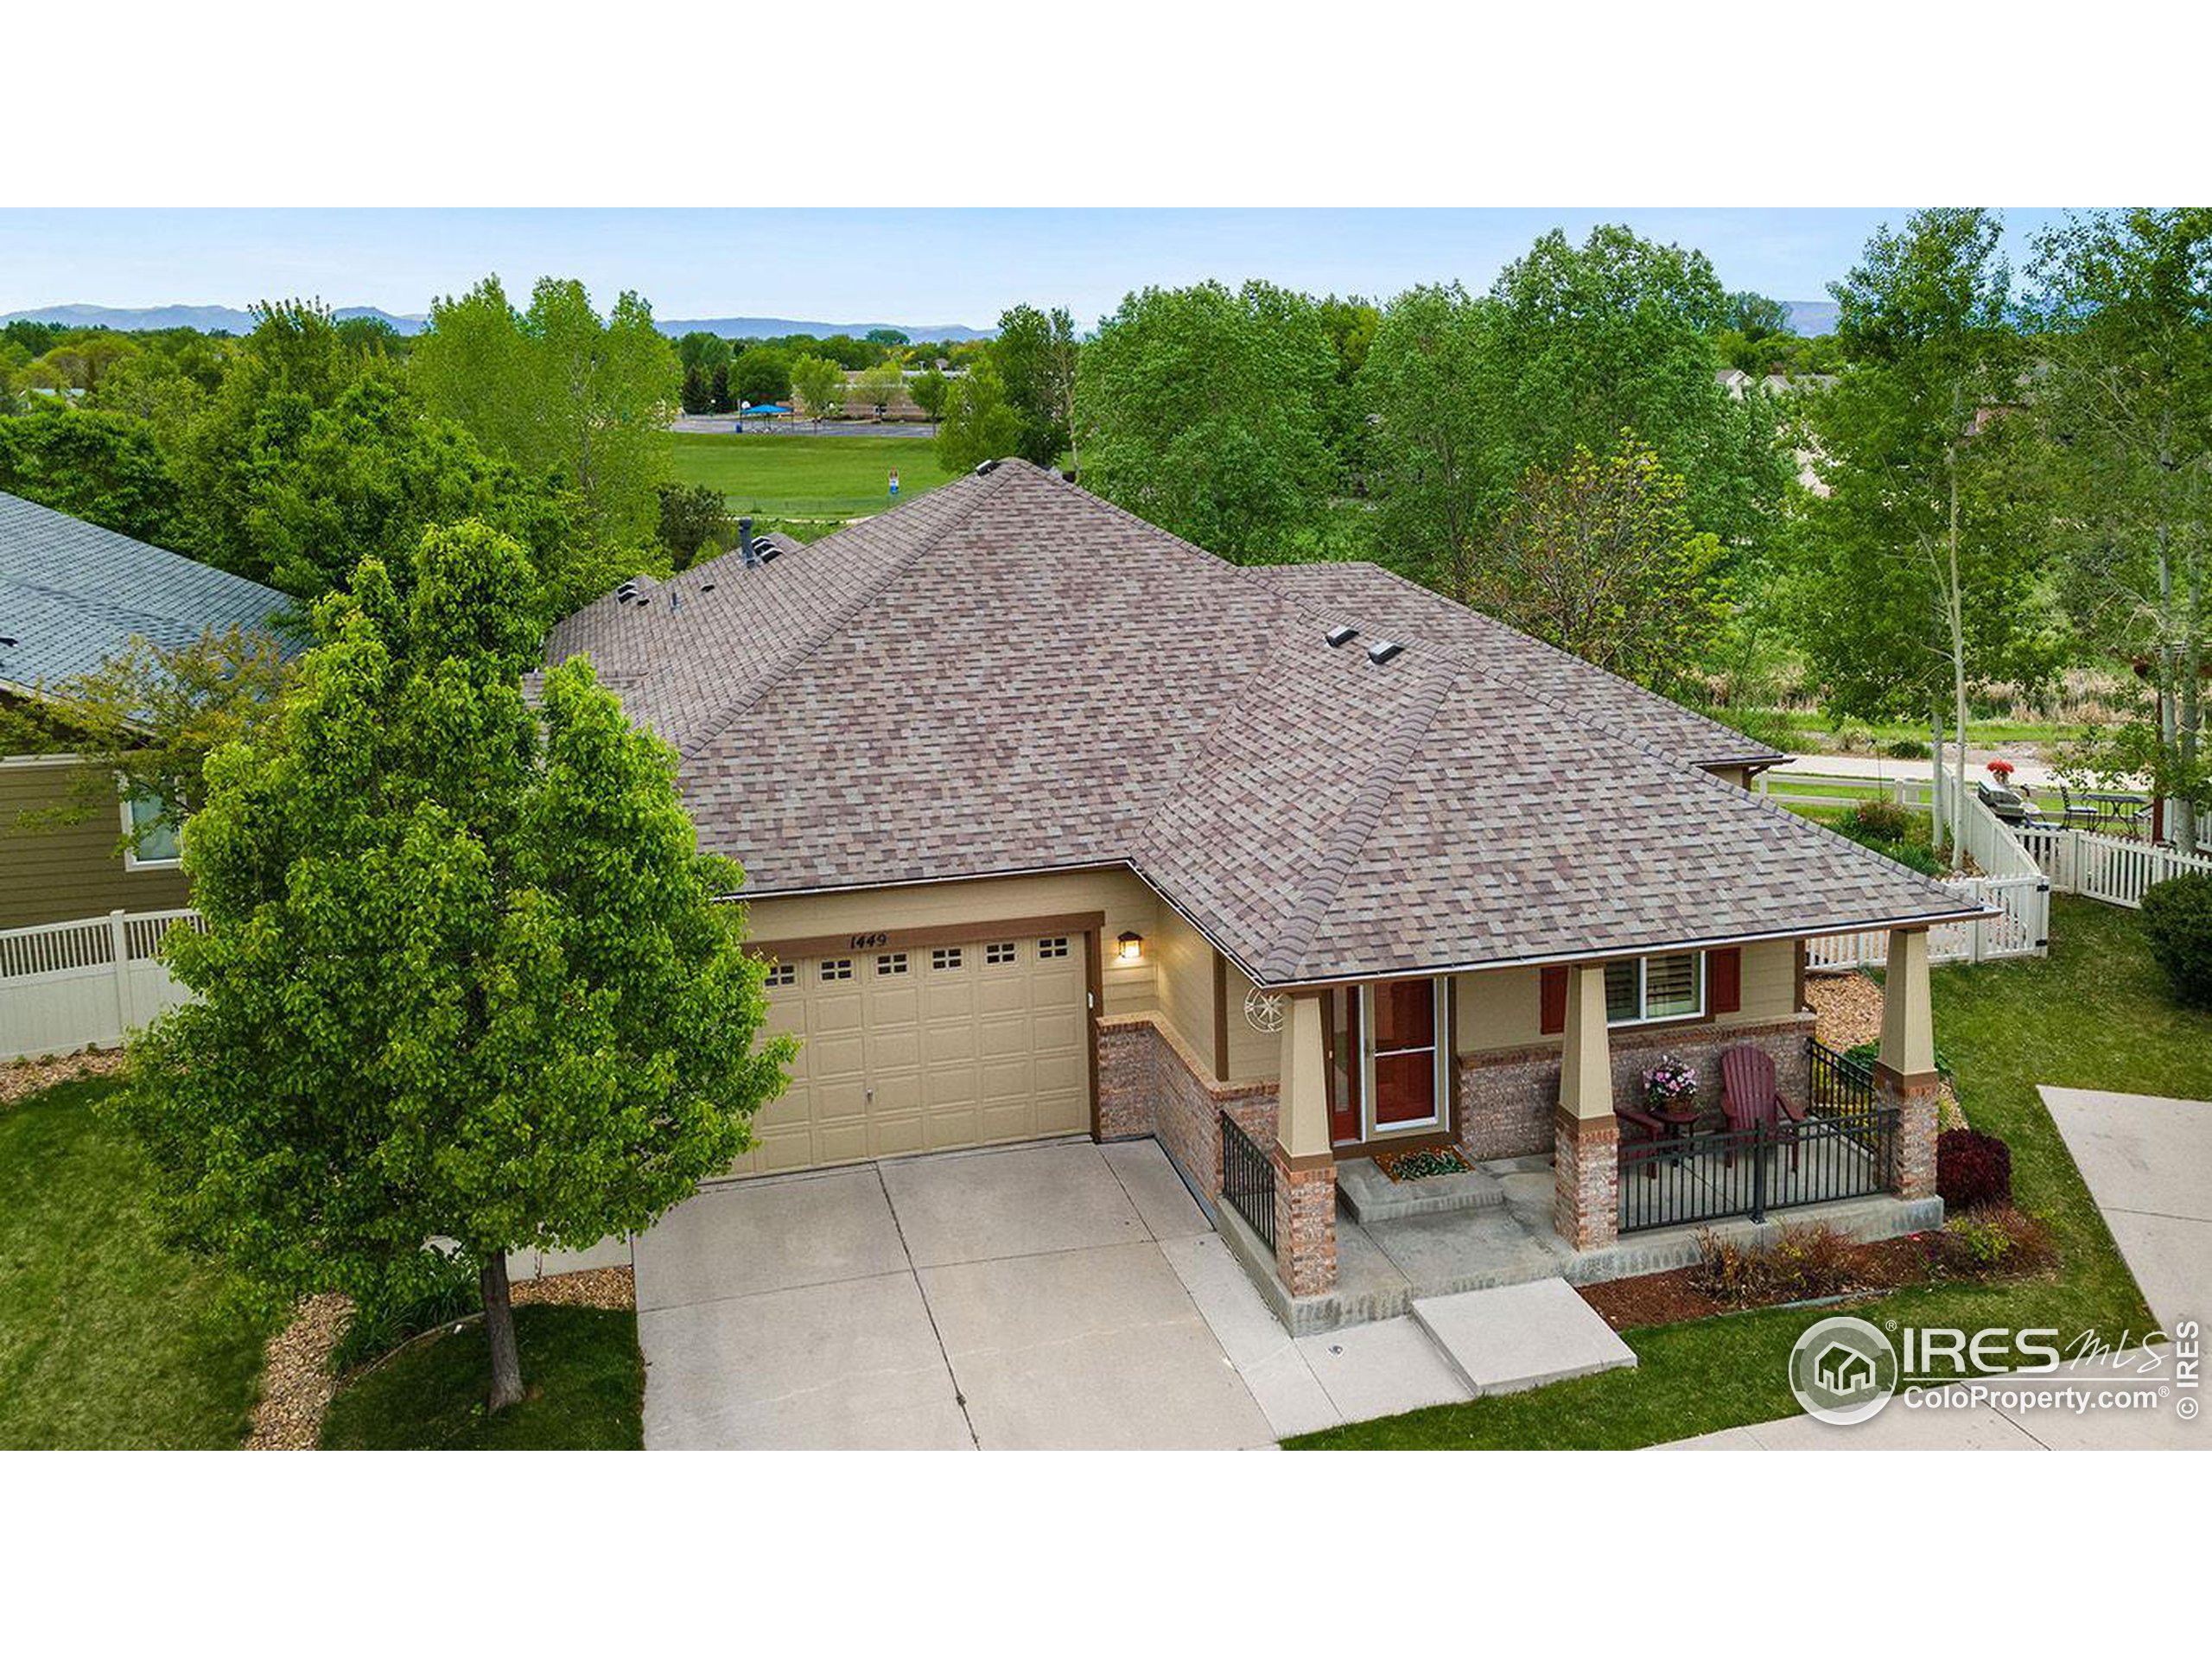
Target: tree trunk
1935	839
1955	610
500	1330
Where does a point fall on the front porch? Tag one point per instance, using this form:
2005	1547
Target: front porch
1622	1193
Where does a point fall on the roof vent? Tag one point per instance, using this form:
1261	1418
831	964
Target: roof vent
984	469
770	552
708	586
747	554
1340	635
1380	651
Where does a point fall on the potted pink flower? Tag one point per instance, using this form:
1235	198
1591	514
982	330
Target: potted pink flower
1670	1086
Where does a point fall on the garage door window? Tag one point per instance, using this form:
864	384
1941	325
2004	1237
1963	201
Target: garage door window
782	973
1049	949
838	968
945	956
893	964
998	955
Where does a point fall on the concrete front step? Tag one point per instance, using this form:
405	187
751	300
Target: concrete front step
1370	1195
1520	1336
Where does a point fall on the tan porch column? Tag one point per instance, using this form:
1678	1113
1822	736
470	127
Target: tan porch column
1305	1164
1586	1137
1904	1073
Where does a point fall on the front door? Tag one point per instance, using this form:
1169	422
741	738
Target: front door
1406	1035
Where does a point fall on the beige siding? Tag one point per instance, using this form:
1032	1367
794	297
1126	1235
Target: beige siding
1184	960
1501	1009
1128	904
72	871
1253	1054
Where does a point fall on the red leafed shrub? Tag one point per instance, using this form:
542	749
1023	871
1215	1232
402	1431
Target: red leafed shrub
1973	1171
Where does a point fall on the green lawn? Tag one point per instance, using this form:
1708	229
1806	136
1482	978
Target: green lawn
793	476
108	1338
1981	734
582	1367
2094	1015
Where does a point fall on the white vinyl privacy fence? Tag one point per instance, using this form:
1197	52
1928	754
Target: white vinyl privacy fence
69	984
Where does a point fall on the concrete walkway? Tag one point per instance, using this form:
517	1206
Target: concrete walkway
2144	1159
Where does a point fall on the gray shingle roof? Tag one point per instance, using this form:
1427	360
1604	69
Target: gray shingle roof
1009	674
72	594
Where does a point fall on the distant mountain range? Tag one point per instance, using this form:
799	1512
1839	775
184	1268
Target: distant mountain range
232	319
1811	316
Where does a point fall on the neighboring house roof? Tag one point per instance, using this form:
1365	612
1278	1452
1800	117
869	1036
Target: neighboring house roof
72	594
1011	675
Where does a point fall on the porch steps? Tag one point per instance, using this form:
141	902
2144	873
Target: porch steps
1370	1195
1520	1337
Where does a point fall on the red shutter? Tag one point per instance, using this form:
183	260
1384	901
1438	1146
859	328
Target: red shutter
1553	1015
1723	980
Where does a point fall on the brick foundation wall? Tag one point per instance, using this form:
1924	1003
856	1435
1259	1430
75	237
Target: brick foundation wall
1586	1185
1507	1100
1149	1084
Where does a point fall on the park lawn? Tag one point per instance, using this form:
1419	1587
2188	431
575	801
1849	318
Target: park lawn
796	475
2094	1014
108	1336
582	1368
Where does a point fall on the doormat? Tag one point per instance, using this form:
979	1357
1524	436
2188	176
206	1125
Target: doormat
1420	1166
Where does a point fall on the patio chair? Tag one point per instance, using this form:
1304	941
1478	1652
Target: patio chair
2075	813
1650	1134
1749	1096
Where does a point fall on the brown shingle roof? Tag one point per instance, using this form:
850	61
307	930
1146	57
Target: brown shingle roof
1009	674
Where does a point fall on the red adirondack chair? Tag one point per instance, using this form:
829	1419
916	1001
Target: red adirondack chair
1749	1096
1644	1145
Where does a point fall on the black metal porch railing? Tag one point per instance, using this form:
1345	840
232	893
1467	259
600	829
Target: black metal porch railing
1835	1084
1247	1181
1679	1179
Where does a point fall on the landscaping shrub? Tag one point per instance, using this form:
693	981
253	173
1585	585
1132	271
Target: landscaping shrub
2178	917
1850	738
379	1327
2001	1240
1879	821
1770	727
1867	1052
1800	1263
1906	748
1973	1171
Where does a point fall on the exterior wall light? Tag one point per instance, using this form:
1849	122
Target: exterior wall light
1131	947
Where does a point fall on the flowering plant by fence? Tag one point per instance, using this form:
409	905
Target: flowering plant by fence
1670	1085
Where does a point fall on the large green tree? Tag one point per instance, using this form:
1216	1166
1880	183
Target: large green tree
556	388
1600	557
2123	393
1035	356
93	464
820	385
979	424
1204	411
1923	583
465	976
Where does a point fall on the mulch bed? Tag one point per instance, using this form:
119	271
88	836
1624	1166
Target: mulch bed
21	1078
1669	1297
296	1384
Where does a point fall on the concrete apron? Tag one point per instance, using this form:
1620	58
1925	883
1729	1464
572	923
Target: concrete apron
1384	1267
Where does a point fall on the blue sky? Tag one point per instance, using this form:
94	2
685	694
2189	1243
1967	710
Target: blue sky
850	265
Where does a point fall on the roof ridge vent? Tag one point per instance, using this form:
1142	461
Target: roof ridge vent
1380	651
984	469
1342	634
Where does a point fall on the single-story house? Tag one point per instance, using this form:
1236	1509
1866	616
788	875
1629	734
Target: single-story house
72	596
1055	824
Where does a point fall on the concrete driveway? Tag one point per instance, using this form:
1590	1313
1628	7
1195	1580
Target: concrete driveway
1015	1299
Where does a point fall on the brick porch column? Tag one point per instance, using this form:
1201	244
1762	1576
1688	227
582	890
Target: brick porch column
1586	1136
1904	1073
1305	1164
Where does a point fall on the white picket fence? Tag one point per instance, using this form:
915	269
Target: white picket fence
2011	883
65	985
2109	869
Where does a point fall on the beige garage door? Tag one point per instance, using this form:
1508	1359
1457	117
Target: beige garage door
923	1049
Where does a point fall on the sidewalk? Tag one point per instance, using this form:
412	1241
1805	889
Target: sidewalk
2035	772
